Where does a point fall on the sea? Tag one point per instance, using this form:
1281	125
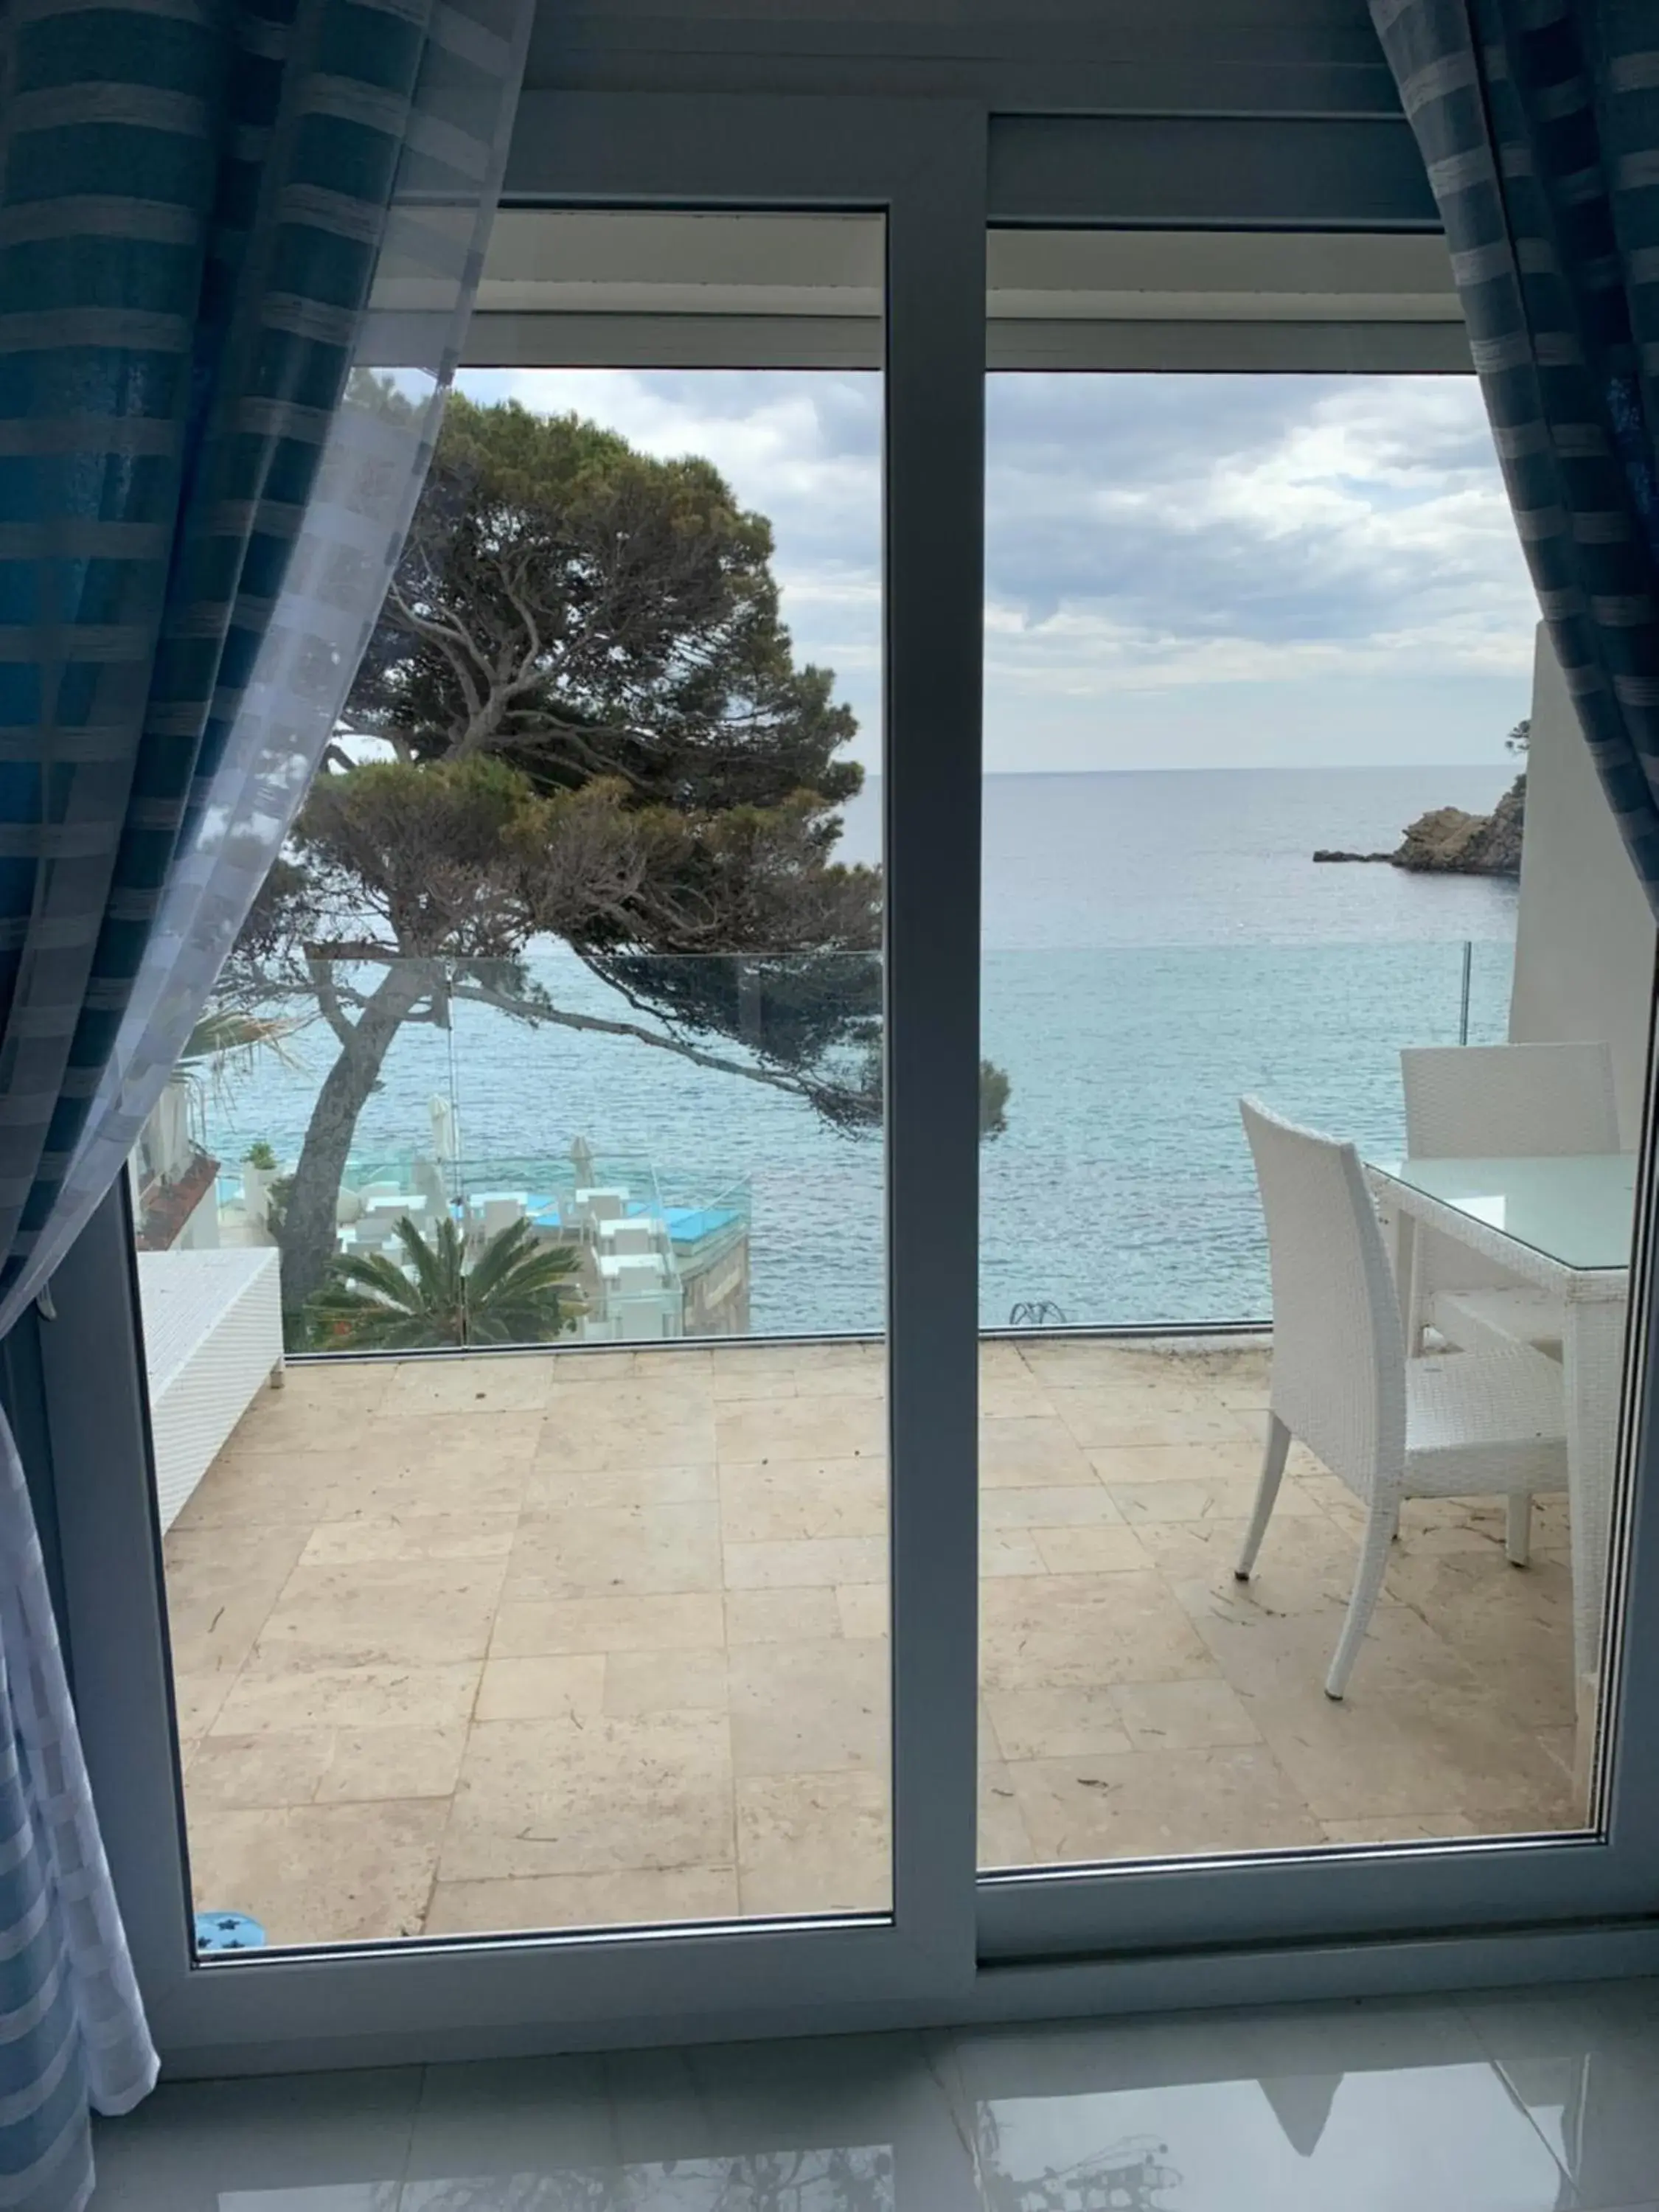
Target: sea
1155	944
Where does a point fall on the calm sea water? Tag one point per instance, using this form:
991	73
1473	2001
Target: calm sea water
1155	944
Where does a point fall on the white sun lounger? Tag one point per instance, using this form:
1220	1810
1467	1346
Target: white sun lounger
213	1334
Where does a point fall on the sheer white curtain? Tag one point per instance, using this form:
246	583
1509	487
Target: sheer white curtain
290	141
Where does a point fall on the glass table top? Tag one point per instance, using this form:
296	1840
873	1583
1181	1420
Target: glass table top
1577	1209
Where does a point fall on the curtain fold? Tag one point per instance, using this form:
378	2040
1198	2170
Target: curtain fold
238	242
1538	122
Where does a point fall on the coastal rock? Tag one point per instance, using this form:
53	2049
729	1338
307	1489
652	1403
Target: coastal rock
1447	841
1325	853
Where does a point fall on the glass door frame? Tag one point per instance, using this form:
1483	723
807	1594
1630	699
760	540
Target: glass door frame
1322	176
921	166
956	1948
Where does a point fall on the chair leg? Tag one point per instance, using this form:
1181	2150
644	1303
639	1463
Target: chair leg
1367	1585
1272	1470
1517	1532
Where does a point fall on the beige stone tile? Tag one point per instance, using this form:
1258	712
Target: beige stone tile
1303	1551
564	1797
864	1609
1011	1551
682	1621
1562	1745
450	1464
1402	1828
817	1561
554	1490
222	1584
290	1489
1223	1497
1141	1464
1029	1453
1305	1567
1106	1420
1091	1551
375	1763
397	1466
825	1425
359	1385
383	1613
664	1682
1095	1363
747	1358
1532	1684
786	1500
197	1701
249	1771
1183	1716
810	1708
1010	1397
602	1362
607	1441
841	1351
662	1401
277	1700
321	1874
987	1748
647	1899
410	1536
1004	1839
734	1381
570	1685
1156	1804
290	1420
1415	1729
863	1378
781	1616
1071	1505
814	1843
1080	1631
1513	1626
597	1550
1055	1723
504	1382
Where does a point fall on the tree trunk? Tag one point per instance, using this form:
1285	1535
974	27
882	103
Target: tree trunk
307	1236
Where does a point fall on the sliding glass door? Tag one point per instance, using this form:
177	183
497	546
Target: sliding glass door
1282	794
551	1456
701	1338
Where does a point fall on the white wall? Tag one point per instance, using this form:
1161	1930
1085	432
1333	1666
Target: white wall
1584	937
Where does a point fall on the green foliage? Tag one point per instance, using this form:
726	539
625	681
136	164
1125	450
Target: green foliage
599	732
518	1291
260	1155
992	1100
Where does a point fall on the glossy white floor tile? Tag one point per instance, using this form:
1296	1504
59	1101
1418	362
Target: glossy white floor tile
1544	2101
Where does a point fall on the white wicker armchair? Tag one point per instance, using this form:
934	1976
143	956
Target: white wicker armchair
1489	1103
1458	1425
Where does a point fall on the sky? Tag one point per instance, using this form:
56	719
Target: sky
1266	571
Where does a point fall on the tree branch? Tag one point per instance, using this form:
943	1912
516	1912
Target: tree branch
481	995
328	1000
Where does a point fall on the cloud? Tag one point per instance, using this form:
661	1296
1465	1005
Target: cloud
1184	539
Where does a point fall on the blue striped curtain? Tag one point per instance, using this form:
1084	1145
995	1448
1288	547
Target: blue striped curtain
1539	121
238	243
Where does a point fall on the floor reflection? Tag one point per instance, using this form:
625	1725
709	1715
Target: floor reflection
1534	2102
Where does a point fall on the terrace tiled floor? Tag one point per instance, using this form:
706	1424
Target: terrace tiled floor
469	1644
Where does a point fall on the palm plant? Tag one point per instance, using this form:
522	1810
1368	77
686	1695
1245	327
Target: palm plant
518	1291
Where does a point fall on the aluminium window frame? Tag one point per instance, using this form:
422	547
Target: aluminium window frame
957	1947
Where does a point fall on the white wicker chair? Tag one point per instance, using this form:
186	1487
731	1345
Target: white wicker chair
1485	1103
1457	1425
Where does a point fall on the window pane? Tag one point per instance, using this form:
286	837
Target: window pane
539	1119
1250	640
